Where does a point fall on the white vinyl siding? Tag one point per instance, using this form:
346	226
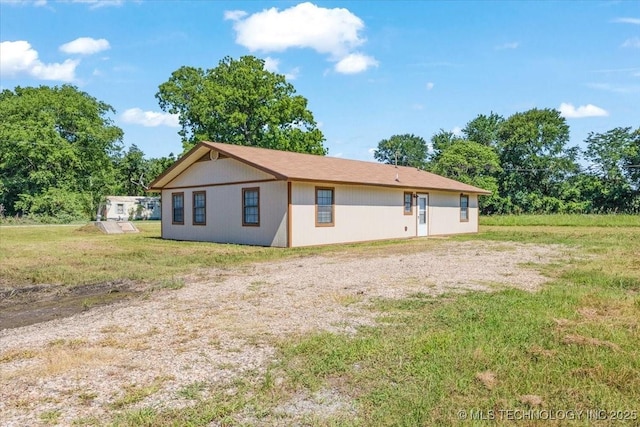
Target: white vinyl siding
224	218
360	213
444	214
218	172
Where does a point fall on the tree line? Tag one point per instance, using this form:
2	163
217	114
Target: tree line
525	161
61	153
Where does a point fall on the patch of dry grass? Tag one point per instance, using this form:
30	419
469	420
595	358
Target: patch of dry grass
17	354
588	341
58	358
488	379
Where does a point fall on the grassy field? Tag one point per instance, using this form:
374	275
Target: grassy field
566	355
574	346
80	255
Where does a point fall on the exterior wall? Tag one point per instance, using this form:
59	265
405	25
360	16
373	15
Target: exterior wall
217	172
132	207
360	213
224	215
444	214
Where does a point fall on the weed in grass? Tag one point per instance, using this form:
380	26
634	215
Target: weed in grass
109	329
134	393
50	417
215	411
346	299
172	284
192	391
256	285
87	421
87	397
17	354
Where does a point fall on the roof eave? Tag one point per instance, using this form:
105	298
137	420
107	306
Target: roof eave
156	184
478	191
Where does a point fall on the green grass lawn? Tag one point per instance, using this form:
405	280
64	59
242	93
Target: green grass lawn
575	345
572	346
79	255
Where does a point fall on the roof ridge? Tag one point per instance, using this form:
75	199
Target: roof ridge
305	167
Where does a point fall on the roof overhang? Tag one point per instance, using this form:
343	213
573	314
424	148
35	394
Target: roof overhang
204	148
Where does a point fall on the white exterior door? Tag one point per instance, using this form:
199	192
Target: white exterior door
423	202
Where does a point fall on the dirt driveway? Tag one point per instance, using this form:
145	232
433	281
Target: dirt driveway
222	324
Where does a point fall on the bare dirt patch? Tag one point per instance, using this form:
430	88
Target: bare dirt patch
35	304
223	324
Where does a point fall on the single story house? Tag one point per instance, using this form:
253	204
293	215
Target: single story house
237	194
125	208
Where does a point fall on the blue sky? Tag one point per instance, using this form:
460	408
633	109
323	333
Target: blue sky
369	69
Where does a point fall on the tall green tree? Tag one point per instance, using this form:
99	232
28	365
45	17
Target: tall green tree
474	164
440	141
131	168
484	129
239	102
55	141
614	158
402	150
158	165
535	159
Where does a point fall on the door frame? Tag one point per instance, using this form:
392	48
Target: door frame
424	196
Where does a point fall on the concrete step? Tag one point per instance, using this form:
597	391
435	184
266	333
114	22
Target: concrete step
116	227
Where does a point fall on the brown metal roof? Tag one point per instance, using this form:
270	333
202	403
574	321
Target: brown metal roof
286	165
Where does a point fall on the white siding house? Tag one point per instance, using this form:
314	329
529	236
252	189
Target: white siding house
124	208
237	194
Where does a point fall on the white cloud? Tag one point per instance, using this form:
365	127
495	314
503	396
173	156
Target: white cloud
234	15
615	88
271	64
85	46
150	118
355	63
570	112
95	4
293	74
457	131
635	21
430	85
632	42
19	57
418	107
511	45
333	32
37	3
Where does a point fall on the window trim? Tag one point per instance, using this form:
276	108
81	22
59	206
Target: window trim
465	209
333	207
250	224
404	203
173	208
193	210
